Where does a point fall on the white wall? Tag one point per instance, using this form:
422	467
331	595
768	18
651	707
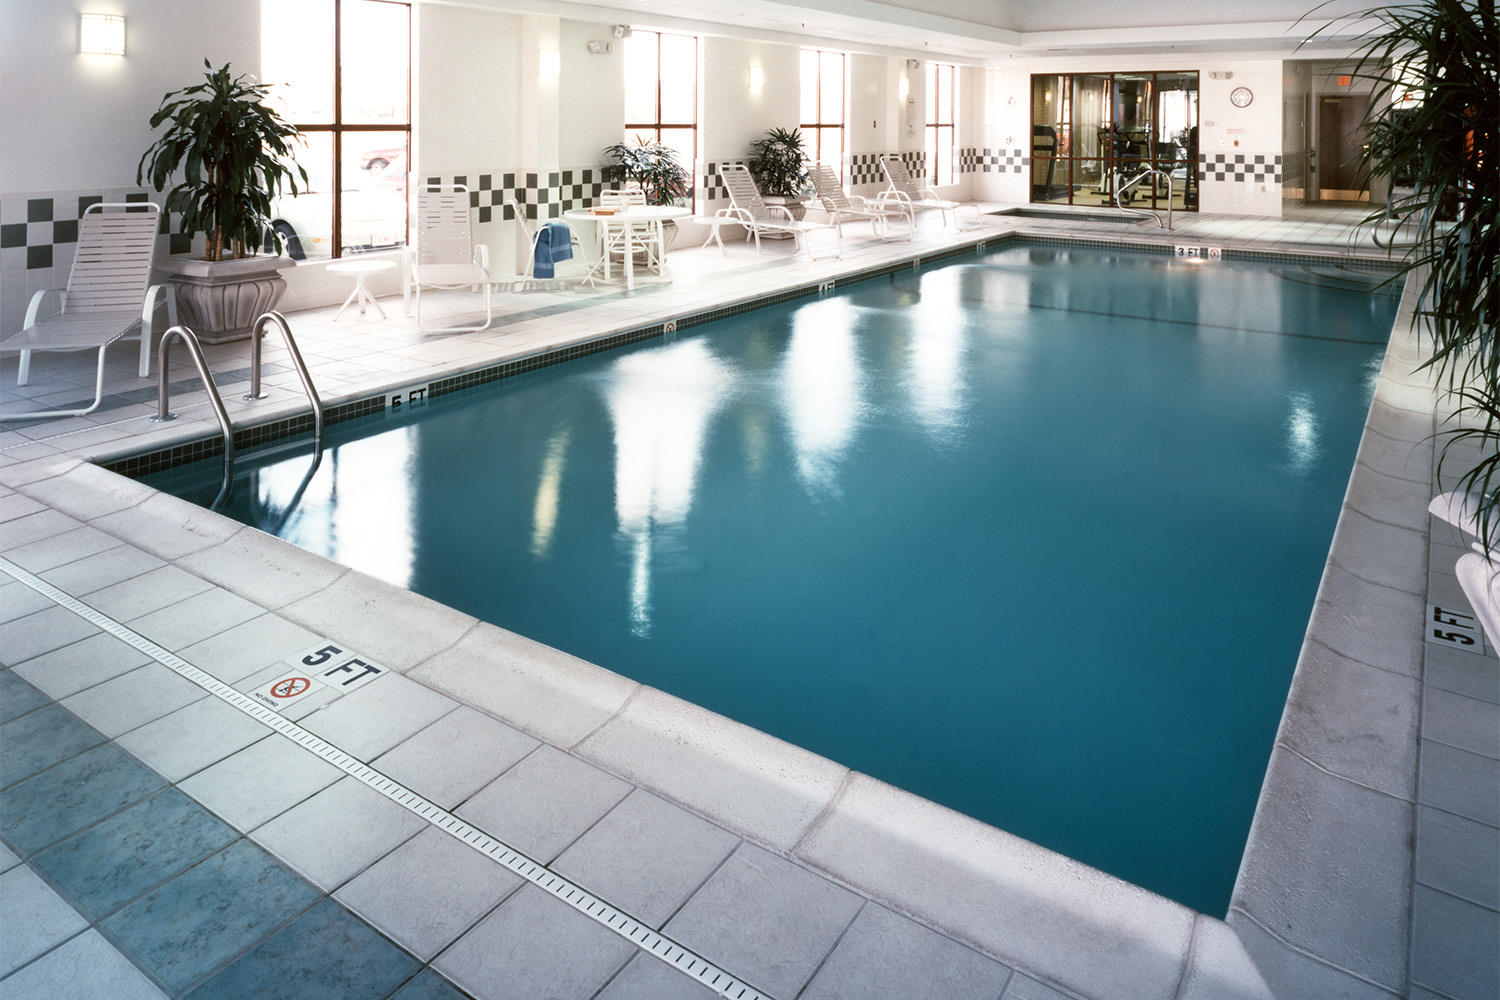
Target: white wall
464	94
593	94
998	105
734	115
873	118
72	121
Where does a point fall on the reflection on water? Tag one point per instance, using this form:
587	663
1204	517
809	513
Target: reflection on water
1302	449
661	406
936	385
548	490
821	392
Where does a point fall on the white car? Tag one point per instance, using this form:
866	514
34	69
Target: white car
374	218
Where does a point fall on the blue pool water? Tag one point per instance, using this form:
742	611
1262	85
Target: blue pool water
1034	534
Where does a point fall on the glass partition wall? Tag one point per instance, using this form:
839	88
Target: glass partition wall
1092	134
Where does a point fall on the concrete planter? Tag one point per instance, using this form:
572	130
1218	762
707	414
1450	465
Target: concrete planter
220	300
797	205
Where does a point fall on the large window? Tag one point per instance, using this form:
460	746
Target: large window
942	153
661	92
340	69
823	107
1095	134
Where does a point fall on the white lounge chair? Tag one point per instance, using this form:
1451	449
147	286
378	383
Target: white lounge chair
757	217
904	188
533	234
880	212
445	256
109	296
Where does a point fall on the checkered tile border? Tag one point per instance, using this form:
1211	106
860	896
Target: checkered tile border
1240	168
711	184
38	231
541	196
972	160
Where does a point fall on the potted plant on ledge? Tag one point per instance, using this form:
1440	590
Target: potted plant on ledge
234	153
652	166
778	162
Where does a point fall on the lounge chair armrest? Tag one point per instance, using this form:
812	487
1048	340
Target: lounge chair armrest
38	302
482	256
148	310
782	210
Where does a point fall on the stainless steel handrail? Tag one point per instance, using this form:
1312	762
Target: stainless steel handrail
1141	211
256	333
188	337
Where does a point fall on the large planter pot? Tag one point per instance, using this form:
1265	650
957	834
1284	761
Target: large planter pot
220	300
795	204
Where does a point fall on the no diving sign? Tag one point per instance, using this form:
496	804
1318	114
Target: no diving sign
326	664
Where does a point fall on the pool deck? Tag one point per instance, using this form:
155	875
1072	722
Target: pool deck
158	841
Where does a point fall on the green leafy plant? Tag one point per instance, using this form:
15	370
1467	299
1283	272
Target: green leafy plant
1432	130
778	162
651	164
235	154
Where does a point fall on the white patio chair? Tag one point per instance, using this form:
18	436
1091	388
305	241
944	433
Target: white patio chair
109	297
533	234
648	238
880	212
757	218
904	188
445	256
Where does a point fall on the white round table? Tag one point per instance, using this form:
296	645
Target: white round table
361	269
638	227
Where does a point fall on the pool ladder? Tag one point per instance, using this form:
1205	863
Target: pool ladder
1141	211
195	349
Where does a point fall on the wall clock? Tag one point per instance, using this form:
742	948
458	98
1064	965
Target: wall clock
1241	97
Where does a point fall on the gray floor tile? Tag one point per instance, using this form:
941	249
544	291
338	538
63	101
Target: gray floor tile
83	577
18	600
248	648
156	589
82	664
204	917
544	803
76	793
326	953
1460	782
1023	987
649	978
1458	856
1466	723
884	954
133	851
646	856
376	717
59	550
192	738
8	859
144	695
428	891
261	781
535	946
339	832
195	619
41	632
765	920
1462	673
17	697
33	918
44	523
427	764
86	968
1453	946
42	739
429	986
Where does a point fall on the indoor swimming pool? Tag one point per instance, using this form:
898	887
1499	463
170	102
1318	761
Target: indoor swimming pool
1034	533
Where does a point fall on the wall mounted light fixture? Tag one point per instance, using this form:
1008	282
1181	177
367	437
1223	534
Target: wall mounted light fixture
101	34
549	63
757	78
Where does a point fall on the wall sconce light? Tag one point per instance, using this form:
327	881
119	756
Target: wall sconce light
904	88
549	63
101	34
757	78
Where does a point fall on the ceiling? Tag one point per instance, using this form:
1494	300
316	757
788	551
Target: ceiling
991	31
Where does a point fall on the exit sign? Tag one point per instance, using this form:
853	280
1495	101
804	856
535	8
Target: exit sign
1344	81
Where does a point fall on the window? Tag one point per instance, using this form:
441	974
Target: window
661	92
1095	134
341	71
941	154
823	107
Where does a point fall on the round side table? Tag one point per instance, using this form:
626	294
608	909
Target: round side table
361	269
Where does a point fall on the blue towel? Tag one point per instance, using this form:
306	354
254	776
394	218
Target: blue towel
553	243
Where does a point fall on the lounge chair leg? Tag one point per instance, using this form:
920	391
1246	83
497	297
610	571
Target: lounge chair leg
24	372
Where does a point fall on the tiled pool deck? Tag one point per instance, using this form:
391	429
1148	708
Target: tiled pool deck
159	842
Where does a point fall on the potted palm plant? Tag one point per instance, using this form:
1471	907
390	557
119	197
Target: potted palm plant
778	162
231	153
653	166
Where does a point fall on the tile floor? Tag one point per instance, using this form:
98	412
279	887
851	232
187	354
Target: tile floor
158	842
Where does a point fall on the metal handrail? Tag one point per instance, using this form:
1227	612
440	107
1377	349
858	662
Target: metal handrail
188	337
256	333
1141	211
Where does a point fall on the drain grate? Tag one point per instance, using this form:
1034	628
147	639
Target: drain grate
538	874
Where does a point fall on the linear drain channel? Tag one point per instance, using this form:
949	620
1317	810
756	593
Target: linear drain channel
536	873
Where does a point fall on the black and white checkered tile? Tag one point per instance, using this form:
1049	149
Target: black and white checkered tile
38	231
541	196
1240	168
992	161
711	184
